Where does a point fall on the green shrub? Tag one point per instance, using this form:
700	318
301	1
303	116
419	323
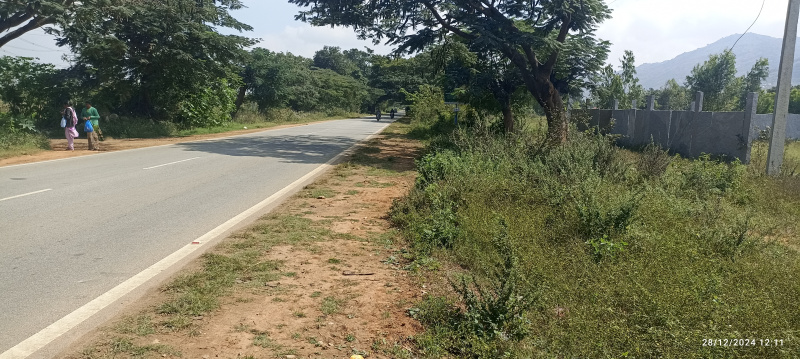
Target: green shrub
131	127
645	254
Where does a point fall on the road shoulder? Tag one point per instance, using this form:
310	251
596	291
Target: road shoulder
318	277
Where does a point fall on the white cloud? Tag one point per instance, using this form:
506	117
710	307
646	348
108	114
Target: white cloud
658	30
305	40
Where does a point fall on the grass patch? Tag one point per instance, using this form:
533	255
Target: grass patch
126	346
19	143
312	192
262	340
331	305
140	325
586	240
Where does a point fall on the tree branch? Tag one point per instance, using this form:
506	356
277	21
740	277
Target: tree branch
35	23
446	24
562	36
15	20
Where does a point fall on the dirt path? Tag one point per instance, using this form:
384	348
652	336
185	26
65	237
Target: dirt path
317	278
112	144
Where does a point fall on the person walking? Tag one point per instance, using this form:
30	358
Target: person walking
90	114
71	120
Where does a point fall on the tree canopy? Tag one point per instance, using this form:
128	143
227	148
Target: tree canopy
20	16
529	33
723	91
160	57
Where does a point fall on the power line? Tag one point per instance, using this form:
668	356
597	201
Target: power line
35	44
751	25
32	50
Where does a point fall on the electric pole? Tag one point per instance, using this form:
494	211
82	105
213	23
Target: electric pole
778	138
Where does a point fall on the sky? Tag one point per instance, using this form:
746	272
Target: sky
655	30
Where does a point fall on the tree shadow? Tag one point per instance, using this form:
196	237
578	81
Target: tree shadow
290	149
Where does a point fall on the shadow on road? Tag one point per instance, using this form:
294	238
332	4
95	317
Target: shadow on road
290	149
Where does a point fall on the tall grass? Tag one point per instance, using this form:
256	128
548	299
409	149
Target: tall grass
624	254
16	143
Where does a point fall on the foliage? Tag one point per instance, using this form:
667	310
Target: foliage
427	105
278	80
18	17
529	34
722	90
623	86
766	101
672	97
156	67
27	87
646	254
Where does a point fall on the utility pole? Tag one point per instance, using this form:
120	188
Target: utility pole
778	138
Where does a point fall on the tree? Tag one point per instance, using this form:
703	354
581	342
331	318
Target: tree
622	86
722	90
27	87
480	77
672	96
20	16
393	75
753	80
155	57
529	33
277	80
332	58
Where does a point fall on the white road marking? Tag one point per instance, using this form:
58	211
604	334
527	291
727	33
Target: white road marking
53	331
171	163
26	194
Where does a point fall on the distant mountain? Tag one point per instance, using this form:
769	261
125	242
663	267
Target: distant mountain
749	49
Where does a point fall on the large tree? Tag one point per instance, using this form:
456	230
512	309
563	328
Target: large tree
529	33
160	58
20	16
722	90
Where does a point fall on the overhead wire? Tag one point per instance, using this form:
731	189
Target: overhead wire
751	25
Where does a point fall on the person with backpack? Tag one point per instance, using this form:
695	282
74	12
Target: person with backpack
69	120
92	126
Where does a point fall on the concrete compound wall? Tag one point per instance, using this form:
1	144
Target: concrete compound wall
688	133
761	122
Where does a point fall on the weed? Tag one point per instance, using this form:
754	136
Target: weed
141	325
122	345
262	340
331	305
646	253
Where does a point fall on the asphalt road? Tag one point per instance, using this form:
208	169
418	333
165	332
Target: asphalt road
70	230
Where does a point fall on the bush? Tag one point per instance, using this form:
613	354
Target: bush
130	127
646	268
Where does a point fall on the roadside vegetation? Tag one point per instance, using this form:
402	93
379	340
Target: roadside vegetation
589	250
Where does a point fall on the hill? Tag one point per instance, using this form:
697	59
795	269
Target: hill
749	49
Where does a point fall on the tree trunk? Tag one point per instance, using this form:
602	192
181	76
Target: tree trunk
549	98
508	116
240	99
